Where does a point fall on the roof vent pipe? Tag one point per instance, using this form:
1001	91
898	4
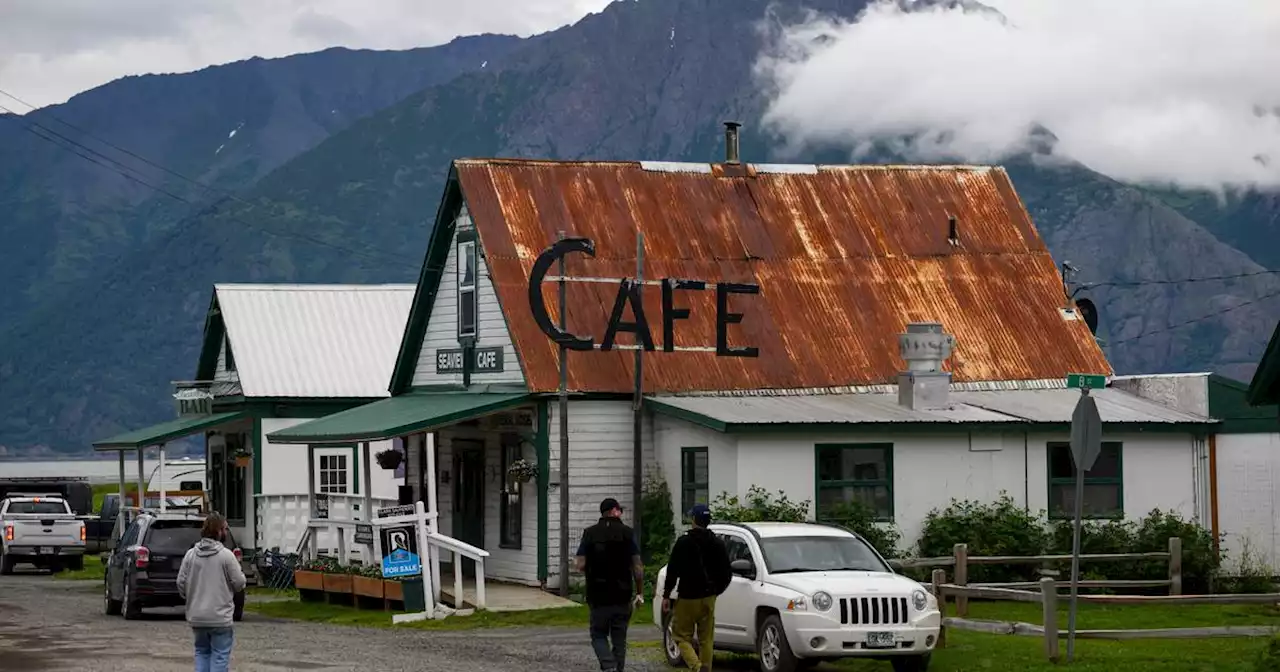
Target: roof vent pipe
953	232
731	154
924	385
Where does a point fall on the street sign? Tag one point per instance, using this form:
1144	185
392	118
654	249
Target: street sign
1086	433
1086	381
400	551
1086	443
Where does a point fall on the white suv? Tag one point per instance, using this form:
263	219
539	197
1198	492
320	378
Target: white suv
802	593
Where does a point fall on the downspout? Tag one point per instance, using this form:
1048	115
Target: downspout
1026	472
1213	489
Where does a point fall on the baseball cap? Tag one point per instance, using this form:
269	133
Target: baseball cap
701	514
609	504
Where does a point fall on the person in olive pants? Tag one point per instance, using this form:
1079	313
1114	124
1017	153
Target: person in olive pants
700	563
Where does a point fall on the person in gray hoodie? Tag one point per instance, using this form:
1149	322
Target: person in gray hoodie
208	580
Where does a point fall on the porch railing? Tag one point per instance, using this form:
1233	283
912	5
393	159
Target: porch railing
457	550
283	519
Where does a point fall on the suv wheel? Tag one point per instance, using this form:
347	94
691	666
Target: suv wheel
911	664
112	606
669	646
131	608
773	648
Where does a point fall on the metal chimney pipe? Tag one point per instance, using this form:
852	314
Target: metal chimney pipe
731	154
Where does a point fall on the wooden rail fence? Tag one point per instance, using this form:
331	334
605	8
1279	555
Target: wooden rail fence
1052	633
960	560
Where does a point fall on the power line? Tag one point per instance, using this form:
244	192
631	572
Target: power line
1179	281
1202	318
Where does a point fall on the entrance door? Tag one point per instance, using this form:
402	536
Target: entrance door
468	495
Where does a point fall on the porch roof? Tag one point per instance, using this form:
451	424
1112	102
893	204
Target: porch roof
165	432
1005	409
398	416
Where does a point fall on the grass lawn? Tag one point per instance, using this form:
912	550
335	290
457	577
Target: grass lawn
93	570
965	651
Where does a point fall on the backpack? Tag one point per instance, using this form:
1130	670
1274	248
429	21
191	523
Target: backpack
720	576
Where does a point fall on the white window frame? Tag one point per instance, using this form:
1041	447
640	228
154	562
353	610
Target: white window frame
345	455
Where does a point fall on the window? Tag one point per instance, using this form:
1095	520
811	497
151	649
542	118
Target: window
333	473
738	549
820	554
1103	491
855	474
695	478
231	358
467	271
511	513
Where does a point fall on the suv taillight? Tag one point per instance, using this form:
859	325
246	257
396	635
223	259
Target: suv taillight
239	555
142	557
8	533
82	533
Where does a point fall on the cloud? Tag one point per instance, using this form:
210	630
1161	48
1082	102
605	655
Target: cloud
1175	91
49	51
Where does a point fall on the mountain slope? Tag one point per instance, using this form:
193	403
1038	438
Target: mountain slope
65	216
647	80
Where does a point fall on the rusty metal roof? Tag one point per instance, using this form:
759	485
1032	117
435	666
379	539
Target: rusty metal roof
845	257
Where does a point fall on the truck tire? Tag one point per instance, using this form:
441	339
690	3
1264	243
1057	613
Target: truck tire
773	648
6	564
76	563
911	663
112	607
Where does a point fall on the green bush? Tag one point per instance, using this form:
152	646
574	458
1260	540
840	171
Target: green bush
861	519
999	528
760	506
658	532
1200	560
1251	574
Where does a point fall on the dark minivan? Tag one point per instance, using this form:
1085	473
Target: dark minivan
142	571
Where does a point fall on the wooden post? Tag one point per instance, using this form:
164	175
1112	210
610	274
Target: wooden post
1049	602
939	578
961	552
1175	566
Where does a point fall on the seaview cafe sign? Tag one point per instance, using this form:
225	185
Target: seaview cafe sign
630	292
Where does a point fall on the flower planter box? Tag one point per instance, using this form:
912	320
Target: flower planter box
337	583
367	587
305	580
393	590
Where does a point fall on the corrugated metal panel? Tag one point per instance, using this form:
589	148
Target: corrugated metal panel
845	259
1045	406
824	409
1058	405
335	341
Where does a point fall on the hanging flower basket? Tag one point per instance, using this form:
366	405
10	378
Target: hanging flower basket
522	471
389	459
241	458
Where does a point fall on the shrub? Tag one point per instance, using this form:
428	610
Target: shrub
760	506
999	528
1111	536
1199	558
861	519
1251	574
658	532
1268	659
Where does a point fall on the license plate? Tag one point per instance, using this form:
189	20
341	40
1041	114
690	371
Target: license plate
880	640
47	550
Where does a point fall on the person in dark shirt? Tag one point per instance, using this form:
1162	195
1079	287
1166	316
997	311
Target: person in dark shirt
610	558
700	563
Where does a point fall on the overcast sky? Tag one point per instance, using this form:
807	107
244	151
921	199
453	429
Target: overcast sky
1183	91
53	49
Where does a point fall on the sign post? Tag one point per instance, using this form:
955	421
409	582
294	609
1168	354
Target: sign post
1086	444
403	533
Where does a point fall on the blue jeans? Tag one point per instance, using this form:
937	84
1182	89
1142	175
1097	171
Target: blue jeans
213	649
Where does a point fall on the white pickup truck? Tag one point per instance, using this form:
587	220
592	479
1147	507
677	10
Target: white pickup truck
40	530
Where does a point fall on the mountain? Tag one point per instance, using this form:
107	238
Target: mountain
640	80
67	216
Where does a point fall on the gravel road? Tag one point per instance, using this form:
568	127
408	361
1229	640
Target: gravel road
47	624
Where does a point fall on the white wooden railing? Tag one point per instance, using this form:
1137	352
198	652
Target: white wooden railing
457	551
283	519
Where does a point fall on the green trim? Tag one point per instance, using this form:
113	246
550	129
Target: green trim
886	482
1228	402
1117	480
543	445
424	297
686	415
1265	388
165	432
686	484
257	460
214	328
398	416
